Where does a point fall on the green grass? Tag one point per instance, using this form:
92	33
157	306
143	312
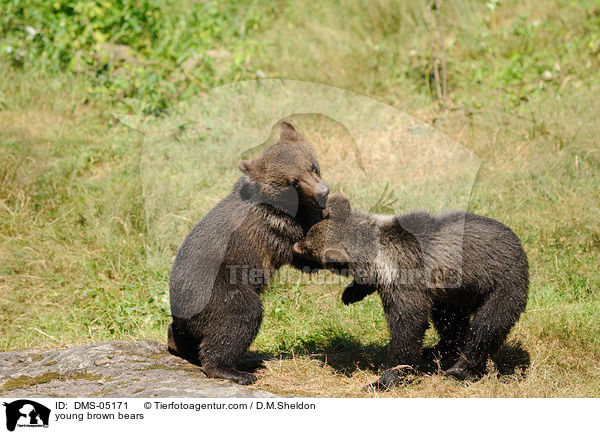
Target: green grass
79	259
25	382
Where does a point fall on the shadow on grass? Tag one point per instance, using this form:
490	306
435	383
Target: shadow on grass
346	354
512	359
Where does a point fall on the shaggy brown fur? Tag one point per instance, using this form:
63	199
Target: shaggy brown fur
448	267
228	257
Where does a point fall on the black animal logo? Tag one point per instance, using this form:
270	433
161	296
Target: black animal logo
26	412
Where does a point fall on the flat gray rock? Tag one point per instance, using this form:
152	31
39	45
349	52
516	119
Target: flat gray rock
111	369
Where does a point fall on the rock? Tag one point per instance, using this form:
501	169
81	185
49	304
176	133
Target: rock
111	369
547	75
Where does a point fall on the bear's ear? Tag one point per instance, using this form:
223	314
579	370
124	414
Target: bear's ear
289	133
338	207
336	256
298	249
246	166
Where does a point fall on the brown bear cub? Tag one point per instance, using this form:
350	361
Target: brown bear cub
228	257
450	267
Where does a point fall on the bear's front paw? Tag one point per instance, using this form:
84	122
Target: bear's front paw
463	371
389	379
245	378
352	295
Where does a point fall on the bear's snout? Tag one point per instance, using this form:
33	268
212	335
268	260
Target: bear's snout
321	195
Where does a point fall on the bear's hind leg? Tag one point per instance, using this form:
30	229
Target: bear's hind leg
452	325
224	345
182	344
490	326
229	373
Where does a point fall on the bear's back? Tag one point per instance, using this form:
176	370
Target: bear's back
483	251
203	253
492	251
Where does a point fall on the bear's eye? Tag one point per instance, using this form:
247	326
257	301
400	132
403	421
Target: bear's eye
314	168
293	182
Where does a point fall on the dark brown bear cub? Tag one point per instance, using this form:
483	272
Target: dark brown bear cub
448	267
227	258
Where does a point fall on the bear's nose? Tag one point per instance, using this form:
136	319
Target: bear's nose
321	195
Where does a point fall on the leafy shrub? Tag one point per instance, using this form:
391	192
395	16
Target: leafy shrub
147	49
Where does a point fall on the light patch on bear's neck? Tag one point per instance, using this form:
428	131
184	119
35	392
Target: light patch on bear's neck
277	222
382	219
386	269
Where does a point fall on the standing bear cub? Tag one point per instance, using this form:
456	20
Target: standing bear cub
227	258
450	267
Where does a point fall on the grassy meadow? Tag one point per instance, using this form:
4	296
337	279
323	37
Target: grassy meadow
80	258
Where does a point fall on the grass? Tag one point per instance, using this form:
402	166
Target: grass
80	260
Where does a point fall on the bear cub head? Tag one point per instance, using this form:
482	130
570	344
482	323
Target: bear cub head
287	173
345	238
